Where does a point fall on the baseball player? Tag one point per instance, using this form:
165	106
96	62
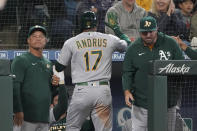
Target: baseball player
90	54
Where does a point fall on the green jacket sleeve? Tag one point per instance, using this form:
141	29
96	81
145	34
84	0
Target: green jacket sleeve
62	105
128	71
178	53
192	54
18	69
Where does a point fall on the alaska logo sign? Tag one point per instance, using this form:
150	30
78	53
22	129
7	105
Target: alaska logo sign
171	69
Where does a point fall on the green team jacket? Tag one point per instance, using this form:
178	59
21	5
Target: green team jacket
32	87
192	54
135	66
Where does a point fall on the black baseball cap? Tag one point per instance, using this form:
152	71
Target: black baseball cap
37	28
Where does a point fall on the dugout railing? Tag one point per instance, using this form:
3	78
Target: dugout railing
161	72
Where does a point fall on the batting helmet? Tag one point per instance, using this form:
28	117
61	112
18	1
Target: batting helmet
88	20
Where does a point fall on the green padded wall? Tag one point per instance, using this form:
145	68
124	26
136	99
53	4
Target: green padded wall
6	97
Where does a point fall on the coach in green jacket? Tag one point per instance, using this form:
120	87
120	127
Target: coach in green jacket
33	84
152	45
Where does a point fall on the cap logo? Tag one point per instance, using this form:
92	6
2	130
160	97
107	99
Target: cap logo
37	26
147	24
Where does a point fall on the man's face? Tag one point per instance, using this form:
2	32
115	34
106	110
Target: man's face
149	37
187	6
37	40
162	5
129	2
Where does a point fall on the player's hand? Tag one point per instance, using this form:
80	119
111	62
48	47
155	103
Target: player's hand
55	80
171	8
60	75
128	98
182	45
18	118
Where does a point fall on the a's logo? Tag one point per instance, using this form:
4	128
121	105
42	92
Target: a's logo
170	68
147	24
48	66
164	55
37	26
88	24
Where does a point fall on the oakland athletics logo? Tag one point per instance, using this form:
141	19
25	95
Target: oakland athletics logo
164	55
147	24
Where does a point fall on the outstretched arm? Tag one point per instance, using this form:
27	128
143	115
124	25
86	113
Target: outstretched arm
61	107
112	18
189	51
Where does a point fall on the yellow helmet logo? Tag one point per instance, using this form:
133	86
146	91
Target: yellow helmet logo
147	24
88	24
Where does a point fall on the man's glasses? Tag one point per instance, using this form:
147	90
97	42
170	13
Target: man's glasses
146	32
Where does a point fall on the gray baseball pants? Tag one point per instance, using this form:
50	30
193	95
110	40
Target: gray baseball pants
140	118
29	126
90	99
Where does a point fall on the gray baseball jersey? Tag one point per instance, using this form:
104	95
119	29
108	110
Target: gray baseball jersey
90	54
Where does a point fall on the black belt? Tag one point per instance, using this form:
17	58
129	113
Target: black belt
86	83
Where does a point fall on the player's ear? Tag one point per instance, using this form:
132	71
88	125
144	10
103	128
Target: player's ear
28	40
